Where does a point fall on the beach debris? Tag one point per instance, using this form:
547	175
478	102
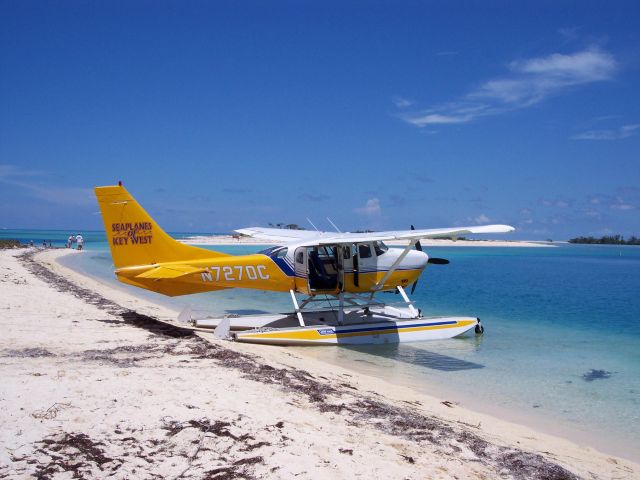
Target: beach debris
51	412
125	356
74	453
252	446
408	459
35	352
447	403
592	375
346	451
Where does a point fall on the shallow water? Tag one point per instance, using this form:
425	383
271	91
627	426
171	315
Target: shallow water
553	316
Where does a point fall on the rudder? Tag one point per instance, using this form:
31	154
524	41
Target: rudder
134	237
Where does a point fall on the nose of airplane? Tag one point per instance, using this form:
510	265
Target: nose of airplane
418	258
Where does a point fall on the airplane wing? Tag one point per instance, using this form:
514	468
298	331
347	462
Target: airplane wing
279	234
328	238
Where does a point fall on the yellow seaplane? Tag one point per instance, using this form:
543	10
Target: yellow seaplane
338	274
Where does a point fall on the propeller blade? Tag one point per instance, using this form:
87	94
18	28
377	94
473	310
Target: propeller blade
438	261
418	247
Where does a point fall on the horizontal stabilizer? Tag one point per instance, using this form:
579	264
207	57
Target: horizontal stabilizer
173	271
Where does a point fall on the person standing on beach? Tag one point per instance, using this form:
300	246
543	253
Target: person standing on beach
80	241
69	241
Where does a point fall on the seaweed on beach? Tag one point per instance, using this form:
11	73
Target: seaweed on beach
35	352
71	452
218	428
288	379
85	457
125	356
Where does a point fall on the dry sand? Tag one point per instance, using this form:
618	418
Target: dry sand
244	240
94	385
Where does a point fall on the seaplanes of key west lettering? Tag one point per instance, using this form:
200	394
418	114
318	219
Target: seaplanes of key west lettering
131	233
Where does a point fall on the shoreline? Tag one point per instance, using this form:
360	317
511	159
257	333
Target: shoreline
382	397
209	240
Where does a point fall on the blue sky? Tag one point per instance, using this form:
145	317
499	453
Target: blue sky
222	115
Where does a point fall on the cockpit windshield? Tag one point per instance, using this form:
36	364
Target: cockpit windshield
380	248
275	252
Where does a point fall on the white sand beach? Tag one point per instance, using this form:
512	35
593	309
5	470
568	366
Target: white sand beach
245	240
95	385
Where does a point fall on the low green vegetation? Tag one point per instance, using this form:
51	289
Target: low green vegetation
9	243
287	226
607	240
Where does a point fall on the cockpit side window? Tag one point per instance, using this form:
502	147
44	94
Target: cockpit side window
364	250
300	258
282	253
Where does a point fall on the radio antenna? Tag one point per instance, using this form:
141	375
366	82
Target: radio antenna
316	228
334	225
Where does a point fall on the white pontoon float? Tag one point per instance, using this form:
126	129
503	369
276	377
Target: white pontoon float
347	320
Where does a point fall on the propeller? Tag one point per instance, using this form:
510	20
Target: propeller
433	260
438	261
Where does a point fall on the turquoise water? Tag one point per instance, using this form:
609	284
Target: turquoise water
551	315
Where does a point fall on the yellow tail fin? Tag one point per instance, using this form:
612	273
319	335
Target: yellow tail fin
134	237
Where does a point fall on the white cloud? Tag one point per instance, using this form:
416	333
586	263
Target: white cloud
31	182
622	206
372	207
555	203
529	81
482	218
589	65
624	131
436	118
401	102
13	171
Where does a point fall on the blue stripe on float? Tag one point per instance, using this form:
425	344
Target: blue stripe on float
396	327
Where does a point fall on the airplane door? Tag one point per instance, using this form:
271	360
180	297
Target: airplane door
301	270
367	264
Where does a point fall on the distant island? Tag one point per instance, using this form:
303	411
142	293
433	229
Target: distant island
607	240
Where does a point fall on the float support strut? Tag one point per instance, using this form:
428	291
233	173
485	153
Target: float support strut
298	312
407	301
